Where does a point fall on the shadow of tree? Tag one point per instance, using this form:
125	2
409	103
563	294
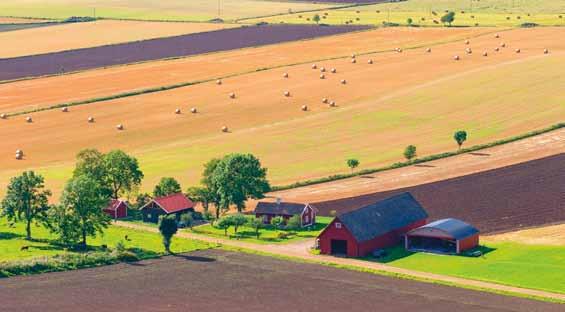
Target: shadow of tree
195	258
10	235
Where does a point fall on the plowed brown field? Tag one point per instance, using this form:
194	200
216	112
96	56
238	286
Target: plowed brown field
405	98
30	94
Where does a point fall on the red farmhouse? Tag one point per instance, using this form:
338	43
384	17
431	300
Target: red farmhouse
383	224
267	211
446	236
174	204
117	209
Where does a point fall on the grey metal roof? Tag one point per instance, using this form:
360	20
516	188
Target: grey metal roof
282	208
382	217
454	227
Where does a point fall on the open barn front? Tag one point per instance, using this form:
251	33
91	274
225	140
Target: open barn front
431	244
339	247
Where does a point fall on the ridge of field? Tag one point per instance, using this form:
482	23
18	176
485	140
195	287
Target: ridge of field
425	12
505	199
18	20
493	97
163	10
162	48
10	28
71	36
35	94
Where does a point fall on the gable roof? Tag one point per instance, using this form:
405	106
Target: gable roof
453	227
114	204
280	208
382	217
172	203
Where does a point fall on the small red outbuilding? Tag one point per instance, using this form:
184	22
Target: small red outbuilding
379	225
174	204
117	209
446	236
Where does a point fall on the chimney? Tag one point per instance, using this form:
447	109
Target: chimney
278	200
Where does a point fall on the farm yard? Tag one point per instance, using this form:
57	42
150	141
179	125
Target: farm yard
155	49
71	36
170	10
227	279
377	110
501	200
100	83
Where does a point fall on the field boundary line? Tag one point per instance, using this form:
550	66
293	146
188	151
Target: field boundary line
282	251
196	82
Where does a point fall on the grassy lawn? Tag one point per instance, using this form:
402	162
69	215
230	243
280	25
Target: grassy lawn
267	235
528	266
13	238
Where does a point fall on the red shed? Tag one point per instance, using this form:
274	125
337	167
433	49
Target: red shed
383	224
117	209
174	204
446	236
286	210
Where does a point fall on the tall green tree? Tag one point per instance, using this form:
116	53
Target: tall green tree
224	224
80	214
166	186
26	200
460	137
256	224
316	18
211	193
448	18
352	163
122	172
237	221
410	152
168	228
236	178
200	195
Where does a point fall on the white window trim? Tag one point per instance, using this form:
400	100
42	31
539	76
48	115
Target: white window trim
338	225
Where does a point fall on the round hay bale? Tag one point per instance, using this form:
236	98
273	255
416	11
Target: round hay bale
232	95
323	69
353	55
18	151
497	36
194	110
496	49
353	61
429	50
324	100
468	51
120	127
322	76
545	51
177	111
19	156
518	51
333	70
485	53
332	104
65	109
304	107
343	81
91	119
467	42
370	62
225	129
219	81
3	116
456	57
287	93
285	75
398	50
314	66
29	119
503	45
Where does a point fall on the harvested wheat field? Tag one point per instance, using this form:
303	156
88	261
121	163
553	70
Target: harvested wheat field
17	20
72	36
383	107
553	235
36	93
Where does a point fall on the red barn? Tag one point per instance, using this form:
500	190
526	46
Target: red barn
446	236
117	209
174	204
383	224
267	211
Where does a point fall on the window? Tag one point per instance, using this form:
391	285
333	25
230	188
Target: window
148	216
338	225
306	219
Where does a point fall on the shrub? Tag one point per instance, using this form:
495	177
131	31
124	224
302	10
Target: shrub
294	223
127	256
277	222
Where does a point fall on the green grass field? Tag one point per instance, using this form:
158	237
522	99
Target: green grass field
528	266
173	10
267	236
424	12
13	238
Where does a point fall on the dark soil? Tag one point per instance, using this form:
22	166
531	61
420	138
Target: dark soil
192	44
505	199
216	280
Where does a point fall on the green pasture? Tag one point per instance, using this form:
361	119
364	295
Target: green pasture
509	263
12	239
171	10
267	235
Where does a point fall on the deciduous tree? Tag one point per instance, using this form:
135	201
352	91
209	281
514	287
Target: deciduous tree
168	228
460	137
166	186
